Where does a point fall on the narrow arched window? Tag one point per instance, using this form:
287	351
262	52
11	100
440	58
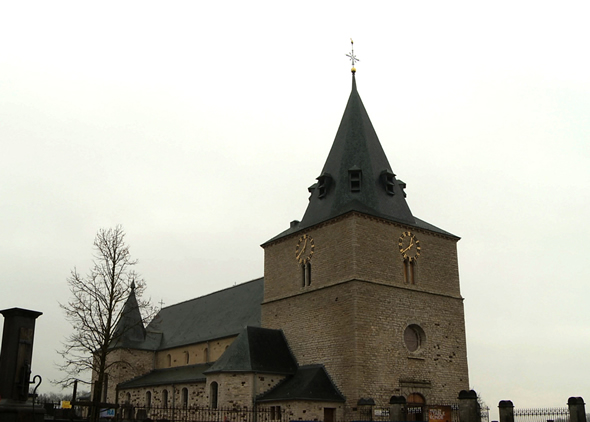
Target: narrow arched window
185	398
186	357
165	399
213	394
169	360
409	271
148	399
308	273
128	398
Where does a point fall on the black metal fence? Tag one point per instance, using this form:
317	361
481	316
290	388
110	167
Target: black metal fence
413	413
439	413
556	414
202	414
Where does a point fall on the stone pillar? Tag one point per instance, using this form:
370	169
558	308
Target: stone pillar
506	410
577	409
469	410
397	408
15	366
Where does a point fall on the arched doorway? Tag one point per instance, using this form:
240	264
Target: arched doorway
415	407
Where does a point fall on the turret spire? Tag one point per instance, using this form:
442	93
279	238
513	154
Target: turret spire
130	328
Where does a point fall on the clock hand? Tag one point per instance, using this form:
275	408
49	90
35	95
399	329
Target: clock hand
302	249
409	247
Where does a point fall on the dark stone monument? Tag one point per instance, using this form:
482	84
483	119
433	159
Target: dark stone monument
15	367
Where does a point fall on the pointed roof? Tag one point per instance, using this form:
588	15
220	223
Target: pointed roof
357	177
257	350
311	382
356	148
129	330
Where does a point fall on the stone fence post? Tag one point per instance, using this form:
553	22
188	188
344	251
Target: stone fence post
506	408
469	410
15	366
577	409
397	408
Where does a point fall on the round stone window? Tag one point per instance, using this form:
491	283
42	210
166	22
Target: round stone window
413	337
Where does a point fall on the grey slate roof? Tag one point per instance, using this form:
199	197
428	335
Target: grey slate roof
177	375
221	314
129	331
310	382
257	350
357	147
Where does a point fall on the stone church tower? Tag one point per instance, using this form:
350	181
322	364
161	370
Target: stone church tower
364	287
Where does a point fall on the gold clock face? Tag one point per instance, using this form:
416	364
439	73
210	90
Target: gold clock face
304	249
409	246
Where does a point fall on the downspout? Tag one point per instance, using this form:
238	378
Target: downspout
173	402
254	389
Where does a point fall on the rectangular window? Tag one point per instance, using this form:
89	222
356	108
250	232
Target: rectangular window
355	180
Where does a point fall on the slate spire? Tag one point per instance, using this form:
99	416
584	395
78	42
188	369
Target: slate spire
357	175
130	327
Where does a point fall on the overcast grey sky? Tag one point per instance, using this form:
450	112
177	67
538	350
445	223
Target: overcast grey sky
198	126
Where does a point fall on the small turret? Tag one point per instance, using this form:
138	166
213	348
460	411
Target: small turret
130	329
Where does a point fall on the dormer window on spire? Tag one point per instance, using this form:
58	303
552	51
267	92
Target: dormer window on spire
355	179
402	185
388	179
323	185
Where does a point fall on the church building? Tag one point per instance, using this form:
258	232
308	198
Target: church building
360	302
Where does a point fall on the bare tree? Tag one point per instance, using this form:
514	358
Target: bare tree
96	307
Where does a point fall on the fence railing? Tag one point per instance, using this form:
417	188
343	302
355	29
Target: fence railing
199	414
446	412
556	414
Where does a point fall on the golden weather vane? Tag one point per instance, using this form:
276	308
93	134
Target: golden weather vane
351	56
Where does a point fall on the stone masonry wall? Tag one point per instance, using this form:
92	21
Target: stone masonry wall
306	410
359	247
208	351
265	382
386	366
353	315
132	363
138	396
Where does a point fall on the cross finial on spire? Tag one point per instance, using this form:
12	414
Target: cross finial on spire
351	56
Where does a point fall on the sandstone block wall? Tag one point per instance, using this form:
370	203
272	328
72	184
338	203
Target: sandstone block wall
208	351
353	316
359	247
307	411
138	396
126	364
